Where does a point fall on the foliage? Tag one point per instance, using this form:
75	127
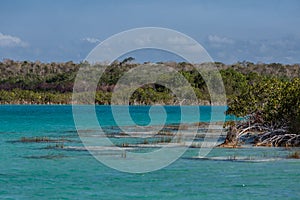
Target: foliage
272	102
249	87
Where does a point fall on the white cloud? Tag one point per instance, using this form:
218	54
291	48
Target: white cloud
11	41
220	40
142	42
178	40
283	50
91	40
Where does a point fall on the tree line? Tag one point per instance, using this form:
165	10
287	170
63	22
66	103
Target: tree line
24	82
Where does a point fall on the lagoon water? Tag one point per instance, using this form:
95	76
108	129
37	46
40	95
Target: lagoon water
36	171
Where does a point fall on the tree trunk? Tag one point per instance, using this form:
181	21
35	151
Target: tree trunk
231	140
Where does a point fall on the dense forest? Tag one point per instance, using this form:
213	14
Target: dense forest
52	83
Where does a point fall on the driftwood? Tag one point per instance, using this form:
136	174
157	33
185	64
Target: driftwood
263	134
279	140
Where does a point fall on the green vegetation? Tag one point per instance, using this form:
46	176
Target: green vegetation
19	96
271	107
52	83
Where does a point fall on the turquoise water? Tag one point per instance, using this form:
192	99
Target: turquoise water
36	171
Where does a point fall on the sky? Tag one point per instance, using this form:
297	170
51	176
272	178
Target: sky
230	30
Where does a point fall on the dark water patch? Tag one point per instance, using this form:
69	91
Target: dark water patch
48	156
9	132
40	140
68	131
236	159
294	155
54	146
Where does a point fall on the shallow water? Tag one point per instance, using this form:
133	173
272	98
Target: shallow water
38	171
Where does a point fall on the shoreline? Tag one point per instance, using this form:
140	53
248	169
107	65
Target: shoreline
58	104
225	145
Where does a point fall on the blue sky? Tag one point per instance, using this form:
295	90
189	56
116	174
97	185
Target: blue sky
231	31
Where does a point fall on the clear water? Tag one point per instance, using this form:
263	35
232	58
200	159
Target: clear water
32	171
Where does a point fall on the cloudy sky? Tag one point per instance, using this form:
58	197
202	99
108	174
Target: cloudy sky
230	31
